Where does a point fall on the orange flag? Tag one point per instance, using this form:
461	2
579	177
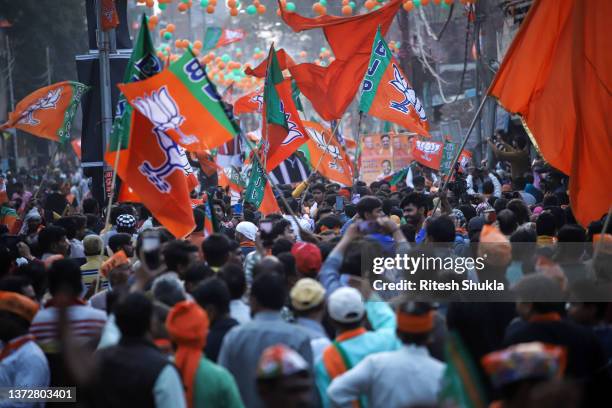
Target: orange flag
269	205
48	112
557	75
284	62
154	167
331	89
249	103
109	18
326	153
181	102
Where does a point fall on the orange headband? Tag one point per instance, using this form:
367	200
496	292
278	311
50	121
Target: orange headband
409	323
18	304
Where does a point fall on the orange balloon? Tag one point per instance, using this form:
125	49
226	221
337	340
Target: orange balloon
170	27
182	7
233	12
185	43
261	9
197	44
221	65
160	55
231	4
195	51
150	3
303	54
347	10
449	2
408	6
319	9
161	33
153	19
424	2
210	9
178	44
370	4
345	2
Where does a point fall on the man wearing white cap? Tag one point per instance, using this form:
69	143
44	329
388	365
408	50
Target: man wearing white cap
246	232
353	343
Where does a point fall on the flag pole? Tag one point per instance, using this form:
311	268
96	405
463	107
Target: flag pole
357	152
462	146
42	181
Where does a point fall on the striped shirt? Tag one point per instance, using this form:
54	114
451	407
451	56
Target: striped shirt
86	324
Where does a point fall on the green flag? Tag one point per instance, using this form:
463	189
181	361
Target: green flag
143	64
295	92
273	113
448	154
399	176
256	185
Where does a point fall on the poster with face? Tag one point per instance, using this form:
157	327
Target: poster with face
383	154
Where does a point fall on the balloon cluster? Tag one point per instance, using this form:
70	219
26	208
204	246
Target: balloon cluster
320	7
208	5
256	8
409	5
348	7
288	6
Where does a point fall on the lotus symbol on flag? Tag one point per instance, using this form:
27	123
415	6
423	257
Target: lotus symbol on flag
258	99
176	159
327	148
46	102
427	148
161	109
294	132
410	97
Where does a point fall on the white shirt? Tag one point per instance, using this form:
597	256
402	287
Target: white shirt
240	311
392	379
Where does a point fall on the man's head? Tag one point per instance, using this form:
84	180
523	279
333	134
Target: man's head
538	294
318	193
246	231
507	222
441	229
570	241
308	258
133	315
216	248
268	292
386	167
545	224
213	296
16	314
121	241
307	297
234	278
385	141
65	277
346	308
413	207
196	273
369	208
126	223
415	322
179	255
53	240
92	245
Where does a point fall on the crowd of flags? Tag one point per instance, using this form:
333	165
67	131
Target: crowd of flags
167	115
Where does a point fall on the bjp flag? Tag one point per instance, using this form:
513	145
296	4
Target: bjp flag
427	153
325	152
557	75
182	102
249	103
284	61
48	112
386	93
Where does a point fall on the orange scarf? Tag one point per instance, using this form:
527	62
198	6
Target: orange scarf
187	324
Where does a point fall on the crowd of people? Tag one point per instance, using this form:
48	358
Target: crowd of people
279	310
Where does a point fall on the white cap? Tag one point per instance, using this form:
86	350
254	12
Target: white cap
346	305
248	229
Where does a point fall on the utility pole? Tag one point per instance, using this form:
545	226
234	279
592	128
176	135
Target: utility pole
104	45
9	59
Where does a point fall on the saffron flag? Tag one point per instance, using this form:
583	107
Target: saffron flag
183	103
48	112
249	103
427	153
386	93
326	155
216	37
109	17
151	164
557	75
76	146
331	89
283	131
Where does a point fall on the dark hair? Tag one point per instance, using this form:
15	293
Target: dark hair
418	181
199	216
216	248
213	291
520	210
538	286
468	211
441	229
367	204
414	198
281	245
278	228
177	253
500	205
330	222
36	275
350	210
319	187
550	200
545	224
133	315
118	240
234	278
289	268
65	274
571	233
507	222
488	187
269	290
49	236
68	224
90	206
198	271
13	283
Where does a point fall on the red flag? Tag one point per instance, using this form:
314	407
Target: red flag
207	162
154	168
127	195
110	18
284	62
269	205
557	75
76	146
331	89
249	103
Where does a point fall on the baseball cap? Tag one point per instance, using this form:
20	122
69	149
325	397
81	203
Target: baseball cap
308	257
306	294
248	229
346	305
280	361
126	221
